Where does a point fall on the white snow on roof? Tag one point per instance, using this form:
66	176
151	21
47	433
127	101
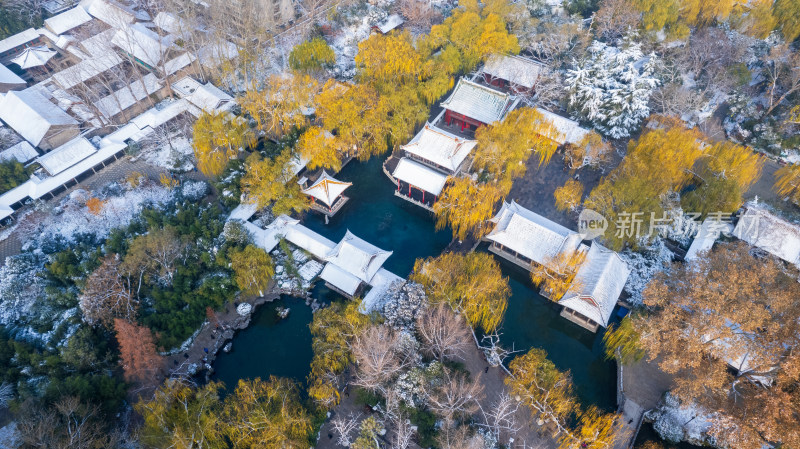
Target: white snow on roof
179	62
18	39
571	131
143	44
100	59
599	281
774	235
66	155
144	124
31	115
110	12
340	279
212	55
358	257
327	189
420	176
67	20
531	235
205	96
35	56
391	22
708	234
440	147
381	283
478	102
126	97
169	22
21	152
514	69
10	78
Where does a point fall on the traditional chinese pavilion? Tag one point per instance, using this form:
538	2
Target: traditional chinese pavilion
517	73
524	237
327	193
427	161
472	105
352	264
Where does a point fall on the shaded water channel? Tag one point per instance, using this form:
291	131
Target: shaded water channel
283	348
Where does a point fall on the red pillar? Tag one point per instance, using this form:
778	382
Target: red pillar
409	190
423	196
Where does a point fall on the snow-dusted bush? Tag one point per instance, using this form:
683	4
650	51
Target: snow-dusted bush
194	190
20	286
612	87
644	265
403	303
676	422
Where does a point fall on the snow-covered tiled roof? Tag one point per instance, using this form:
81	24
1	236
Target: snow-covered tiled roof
212	55
35	56
327	189
142	43
357	257
67	155
479	102
709	232
101	57
419	175
207	97
597	285
9	78
391	22
21	152
126	97
530	234
31	115
340	279
570	130
774	235
514	69
67	20
109	12
440	147
179	62
18	39
168	22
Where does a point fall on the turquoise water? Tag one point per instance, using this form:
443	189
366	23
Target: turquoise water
532	321
376	215
283	348
269	345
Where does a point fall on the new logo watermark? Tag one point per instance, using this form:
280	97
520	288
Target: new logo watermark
591	224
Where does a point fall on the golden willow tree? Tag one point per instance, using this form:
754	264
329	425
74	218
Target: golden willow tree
465	205
568	197
658	163
787	183
280	106
556	275
471	284
727	326
252	269
268	182
501	155
548	392
726	170
334	328
217	139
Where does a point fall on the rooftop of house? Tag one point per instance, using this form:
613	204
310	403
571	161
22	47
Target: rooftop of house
531	234
760	228
31	115
597	284
479	102
518	70
327	189
440	147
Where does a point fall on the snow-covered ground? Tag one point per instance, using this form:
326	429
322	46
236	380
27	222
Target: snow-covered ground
73	216
178	155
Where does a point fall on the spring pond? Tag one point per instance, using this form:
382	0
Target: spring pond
283	347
